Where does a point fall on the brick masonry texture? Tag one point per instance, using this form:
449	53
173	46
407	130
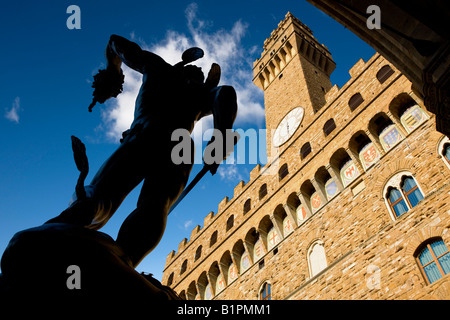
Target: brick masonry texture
369	253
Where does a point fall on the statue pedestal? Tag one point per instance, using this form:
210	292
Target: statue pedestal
62	261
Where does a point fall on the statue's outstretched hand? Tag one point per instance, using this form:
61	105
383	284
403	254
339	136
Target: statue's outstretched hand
108	83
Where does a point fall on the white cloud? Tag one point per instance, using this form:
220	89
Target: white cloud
187	224
222	46
13	114
119	116
229	172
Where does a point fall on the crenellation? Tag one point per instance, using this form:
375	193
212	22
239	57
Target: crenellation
223	204
357	68
290	37
255	172
238	188
332	93
169	258
208	219
194	232
182	245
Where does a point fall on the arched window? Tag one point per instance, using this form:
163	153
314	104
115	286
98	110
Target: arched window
273	238
232	272
192	292
328	127
316	202
406	110
208	292
305	150
258	250
390	136
381	126
331	188
355	101
301	214
444	150
266	292
262	191
247	205
344	168
433	259
411	191
396	201
402	193
312	197
364	149
327	184
230	222
369	155
283	172
348	172
198	253
245	261
412	117
316	258
288	225
220	283
202	284
293	201
384	73
183	267
213	239
254	244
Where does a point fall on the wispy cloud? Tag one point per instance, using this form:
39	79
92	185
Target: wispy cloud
13	113
221	46
187	224
229	172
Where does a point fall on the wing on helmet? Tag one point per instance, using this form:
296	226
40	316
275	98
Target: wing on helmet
213	78
190	55
224	110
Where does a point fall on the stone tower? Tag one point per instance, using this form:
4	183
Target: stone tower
294	71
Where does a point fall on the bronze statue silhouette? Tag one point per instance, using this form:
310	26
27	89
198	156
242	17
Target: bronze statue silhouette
171	97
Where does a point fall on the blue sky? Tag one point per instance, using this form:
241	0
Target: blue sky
46	89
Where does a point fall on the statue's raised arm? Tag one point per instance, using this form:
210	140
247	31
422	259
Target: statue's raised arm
108	83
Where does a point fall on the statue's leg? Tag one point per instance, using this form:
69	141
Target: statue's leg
80	212
144	227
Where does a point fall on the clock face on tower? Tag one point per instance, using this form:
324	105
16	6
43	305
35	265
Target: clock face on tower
287	126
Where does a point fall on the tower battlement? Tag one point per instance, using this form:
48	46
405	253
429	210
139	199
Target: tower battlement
291	37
